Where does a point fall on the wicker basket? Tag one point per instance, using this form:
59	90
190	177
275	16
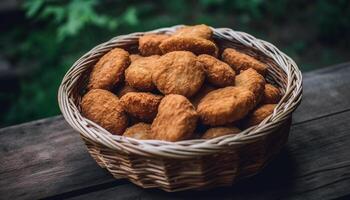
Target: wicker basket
189	164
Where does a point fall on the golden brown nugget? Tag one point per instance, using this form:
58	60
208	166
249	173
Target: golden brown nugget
141	105
104	108
225	105
178	72
217	72
109	70
176	119
195	45
220	131
253	81
240	61
149	44
205	89
134	57
139	74
124	90
201	31
259	114
141	131
271	95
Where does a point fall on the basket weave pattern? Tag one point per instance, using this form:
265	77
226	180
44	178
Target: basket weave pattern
189	164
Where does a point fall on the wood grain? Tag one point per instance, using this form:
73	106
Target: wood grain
314	165
325	91
47	158
44	157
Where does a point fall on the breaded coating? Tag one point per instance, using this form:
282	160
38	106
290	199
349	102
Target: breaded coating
178	72
176	119
139	74
201	31
141	131
104	108
253	81
205	89
124	89
195	45
134	57
220	131
217	72
109	70
271	95
149	44
240	61
141	105
225	105
259	114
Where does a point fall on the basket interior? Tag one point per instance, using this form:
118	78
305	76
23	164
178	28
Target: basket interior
282	72
275	74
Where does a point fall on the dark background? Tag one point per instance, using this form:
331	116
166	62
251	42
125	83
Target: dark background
41	39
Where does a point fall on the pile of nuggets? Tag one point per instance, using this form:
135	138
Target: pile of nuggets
178	87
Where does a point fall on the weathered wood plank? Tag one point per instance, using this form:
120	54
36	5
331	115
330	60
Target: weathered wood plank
47	158
314	165
42	158
326	91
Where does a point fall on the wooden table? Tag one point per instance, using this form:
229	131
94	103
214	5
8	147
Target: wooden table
47	159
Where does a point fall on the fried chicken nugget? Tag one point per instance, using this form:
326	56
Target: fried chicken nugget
134	57
259	114
109	70
220	131
178	72
139	74
176	119
240	61
225	105
201	31
205	89
195	45
104	108
197	39
149	44
253	81
141	131
141	105
271	95
218	73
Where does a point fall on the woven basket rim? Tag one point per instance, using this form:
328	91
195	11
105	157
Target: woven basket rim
186	148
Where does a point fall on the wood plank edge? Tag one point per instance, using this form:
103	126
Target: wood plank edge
115	183
327	69
86	190
30	123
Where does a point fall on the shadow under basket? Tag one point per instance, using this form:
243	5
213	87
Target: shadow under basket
190	164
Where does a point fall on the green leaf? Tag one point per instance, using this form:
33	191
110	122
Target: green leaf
32	7
130	16
57	12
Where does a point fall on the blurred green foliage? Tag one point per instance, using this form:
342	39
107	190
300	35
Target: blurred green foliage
55	33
